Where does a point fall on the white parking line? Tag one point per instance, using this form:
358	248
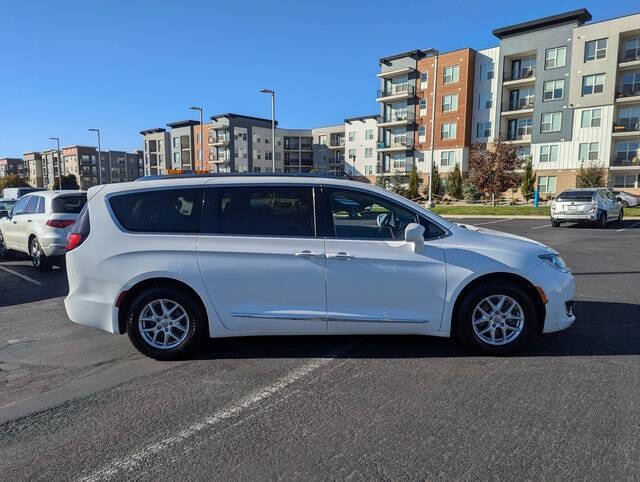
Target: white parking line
491	222
633	225
540	227
26	278
136	459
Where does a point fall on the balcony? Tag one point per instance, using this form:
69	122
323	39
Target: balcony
397	144
626	128
306	147
628	93
516	109
629	59
398	118
218	140
518	138
396	92
336	142
220	158
519	77
622	163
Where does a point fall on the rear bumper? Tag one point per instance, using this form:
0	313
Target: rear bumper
53	243
564	216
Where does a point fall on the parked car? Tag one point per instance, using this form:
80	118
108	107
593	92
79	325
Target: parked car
596	205
627	199
5	206
38	225
170	262
17	192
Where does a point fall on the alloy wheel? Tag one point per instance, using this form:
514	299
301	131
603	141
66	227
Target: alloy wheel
498	320
163	324
35	253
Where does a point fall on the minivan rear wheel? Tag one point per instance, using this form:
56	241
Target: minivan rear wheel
165	324
496	319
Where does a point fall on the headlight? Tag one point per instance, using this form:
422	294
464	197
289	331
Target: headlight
556	261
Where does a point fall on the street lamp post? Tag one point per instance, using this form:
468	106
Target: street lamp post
201	136
57	139
100	158
433	119
273	126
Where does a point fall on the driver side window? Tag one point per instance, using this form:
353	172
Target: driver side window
356	215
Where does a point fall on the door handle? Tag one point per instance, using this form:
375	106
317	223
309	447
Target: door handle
341	255
29	220
15	222
308	254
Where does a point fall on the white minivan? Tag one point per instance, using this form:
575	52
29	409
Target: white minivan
173	261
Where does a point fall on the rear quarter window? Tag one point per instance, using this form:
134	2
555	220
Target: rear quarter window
159	211
68	204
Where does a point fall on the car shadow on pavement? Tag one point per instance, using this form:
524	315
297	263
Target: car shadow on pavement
601	329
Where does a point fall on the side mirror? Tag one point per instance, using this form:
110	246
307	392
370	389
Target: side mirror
382	219
4	214
414	233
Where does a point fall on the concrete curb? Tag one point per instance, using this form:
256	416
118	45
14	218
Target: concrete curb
501	216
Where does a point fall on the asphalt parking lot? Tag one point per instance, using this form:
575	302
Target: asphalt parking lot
76	403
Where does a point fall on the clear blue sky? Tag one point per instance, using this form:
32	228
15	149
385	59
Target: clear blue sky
124	66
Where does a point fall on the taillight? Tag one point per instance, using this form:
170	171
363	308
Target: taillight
80	231
60	223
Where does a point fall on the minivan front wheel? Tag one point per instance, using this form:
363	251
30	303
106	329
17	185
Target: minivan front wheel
496	319
164	324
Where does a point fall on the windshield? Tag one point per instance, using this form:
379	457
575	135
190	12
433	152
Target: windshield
68	204
576	196
6	205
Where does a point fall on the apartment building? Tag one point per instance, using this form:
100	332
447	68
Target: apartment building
156	151
329	149
33	163
485	88
50	166
12	166
297	150
183	138
426	107
360	145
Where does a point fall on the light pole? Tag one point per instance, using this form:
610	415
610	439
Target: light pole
201	137
100	158
273	126
57	139
433	122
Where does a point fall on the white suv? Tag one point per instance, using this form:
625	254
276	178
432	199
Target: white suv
38	225
173	261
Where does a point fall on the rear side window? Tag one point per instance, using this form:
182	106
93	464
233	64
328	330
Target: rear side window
260	211
68	204
32	205
159	211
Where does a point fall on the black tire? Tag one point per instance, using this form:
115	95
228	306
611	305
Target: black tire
39	260
195	333
464	318
5	254
555	224
601	223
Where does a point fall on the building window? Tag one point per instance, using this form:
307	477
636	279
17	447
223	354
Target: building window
448	130
368	152
176	142
551	122
588	151
549	153
595	49
322	139
553	90
451	74
630	83
424	80
447	158
485	101
449	103
592	84
627	151
422	106
368	134
628	180
523	152
547	184
591	118
631	49
524	127
368	170
352	153
256	169
486	71
629	117
555	57
176	157
352	136
422	133
483	129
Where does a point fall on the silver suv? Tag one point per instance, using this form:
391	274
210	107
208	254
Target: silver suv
38	225
596	205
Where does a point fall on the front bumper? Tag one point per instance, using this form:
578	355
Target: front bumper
560	290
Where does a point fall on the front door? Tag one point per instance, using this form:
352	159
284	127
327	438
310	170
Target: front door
15	226
260	258
375	280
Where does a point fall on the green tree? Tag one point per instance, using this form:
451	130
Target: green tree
454	183
593	175
383	182
470	191
414	184
68	182
397	184
436	182
528	183
492	167
12	180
